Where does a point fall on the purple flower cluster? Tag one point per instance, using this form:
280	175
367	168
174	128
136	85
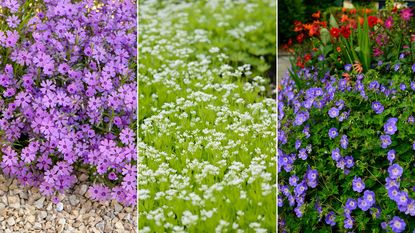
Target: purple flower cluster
69	96
324	101
299	188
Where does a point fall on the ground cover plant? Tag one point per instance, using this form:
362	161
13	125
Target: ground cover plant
68	95
346	133
206	126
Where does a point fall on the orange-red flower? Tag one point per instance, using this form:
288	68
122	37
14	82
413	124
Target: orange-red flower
352	11
314	29
338	49
344	18
316	15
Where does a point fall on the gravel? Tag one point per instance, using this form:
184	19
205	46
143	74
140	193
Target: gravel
26	210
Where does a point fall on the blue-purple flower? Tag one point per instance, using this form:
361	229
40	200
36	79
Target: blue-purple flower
397	224
351	204
301	117
391	156
333	112
385	141
369	196
358	184
344	141
333	133
349	161
377	107
331	218
390	126
302	154
293	180
363	204
348	223
335	154
395	171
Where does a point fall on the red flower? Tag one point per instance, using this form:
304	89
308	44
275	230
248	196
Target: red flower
300	38
372	20
298	26
335	32
345	31
300	64
307	57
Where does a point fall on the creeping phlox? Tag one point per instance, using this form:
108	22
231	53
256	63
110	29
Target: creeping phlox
206	130
68	95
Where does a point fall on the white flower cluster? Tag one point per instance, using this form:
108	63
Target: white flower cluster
206	132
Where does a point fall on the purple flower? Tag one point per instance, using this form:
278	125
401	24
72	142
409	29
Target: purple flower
330	218
391	156
363	204
301	117
293	180
349	161
333	112
377	107
369	196
374	85
348	223
351	204
340	104
297	144
402	199
341	163
411	119
397	224
347	67
395	171
413	67
410	208
384	225
300	188
335	154
344	142
385	141
298	212
390	126
402	86
358	184
396	67
302	154
333	133
393	193
391	182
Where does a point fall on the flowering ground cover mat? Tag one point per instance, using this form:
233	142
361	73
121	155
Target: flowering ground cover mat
207	125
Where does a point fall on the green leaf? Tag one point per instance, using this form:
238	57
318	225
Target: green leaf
324	35
333	22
